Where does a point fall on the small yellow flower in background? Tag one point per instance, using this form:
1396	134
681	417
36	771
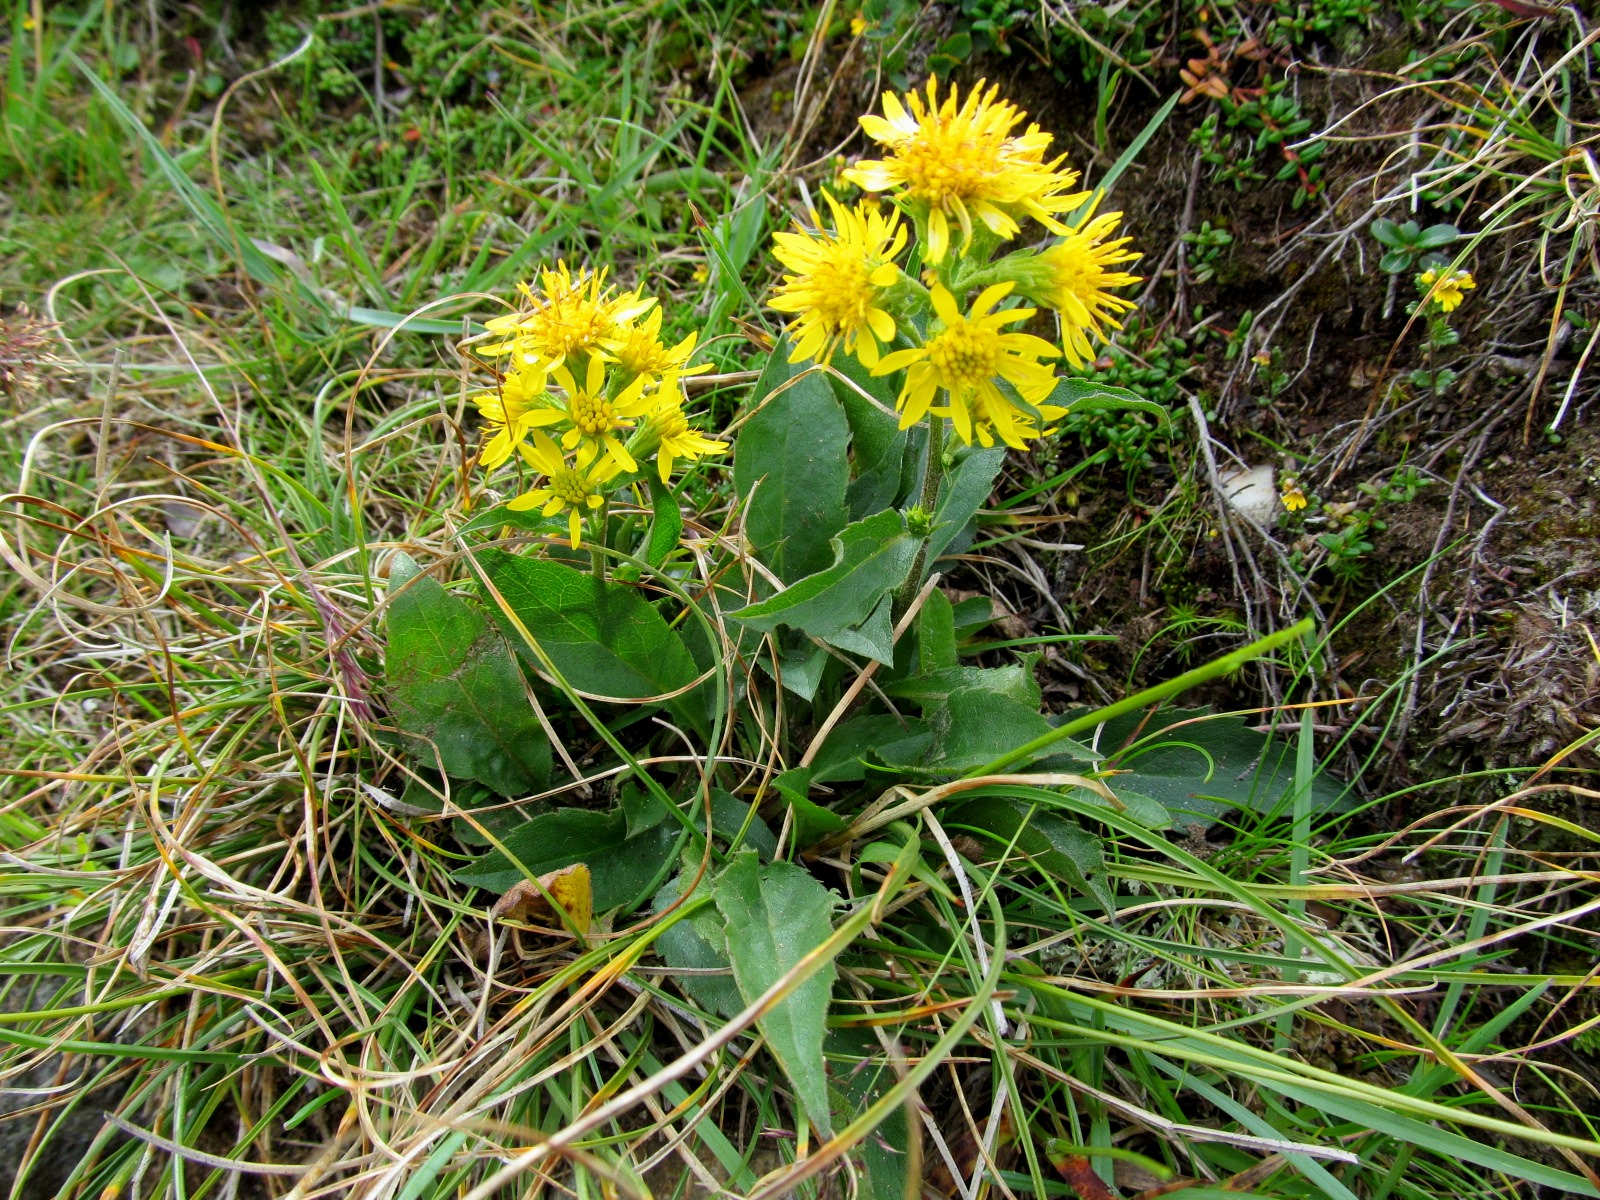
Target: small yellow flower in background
1080	267
677	438
838	281
1446	287
965	359
511	410
858	25
701	273
1262	358
568	314
958	163
575	490
1293	498
597	419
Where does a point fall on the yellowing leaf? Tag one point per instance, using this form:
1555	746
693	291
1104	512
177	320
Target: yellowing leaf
570	887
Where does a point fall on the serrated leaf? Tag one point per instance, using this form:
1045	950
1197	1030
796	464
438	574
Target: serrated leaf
870	559
698	944
621	868
776	915
796	447
454	686
604	638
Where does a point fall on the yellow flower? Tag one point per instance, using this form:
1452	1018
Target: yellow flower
1079	268
1293	498
1446	287
568	314
954	163
576	490
839	281
858	25
596	418
677	439
511	410
638	350
967	358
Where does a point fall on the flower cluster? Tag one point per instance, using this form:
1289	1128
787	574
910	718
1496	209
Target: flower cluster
584	363
967	179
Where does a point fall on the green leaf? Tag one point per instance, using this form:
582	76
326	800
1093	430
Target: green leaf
870	559
1209	766
874	637
1395	262
500	517
728	817
666	530
698	943
795	447
961	495
454	685
1054	844
622	868
936	634
1388	233
801	665
604	638
877	443
1015	682
975	725
1435	237
1084	395
812	822
776	915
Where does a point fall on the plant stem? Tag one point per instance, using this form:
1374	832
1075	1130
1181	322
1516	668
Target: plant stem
598	523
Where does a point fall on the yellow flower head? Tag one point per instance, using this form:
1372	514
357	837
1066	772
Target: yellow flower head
675	437
512	409
1446	287
1023	428
567	314
1079	269
575	489
638	350
1294	499
956	162
597	418
839	280
966	357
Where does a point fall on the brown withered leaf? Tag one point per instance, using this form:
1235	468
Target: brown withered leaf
529	903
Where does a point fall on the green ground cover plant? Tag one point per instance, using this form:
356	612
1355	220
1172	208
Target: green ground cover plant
499	704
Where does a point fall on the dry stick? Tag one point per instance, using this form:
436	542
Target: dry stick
865	674
1180	299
